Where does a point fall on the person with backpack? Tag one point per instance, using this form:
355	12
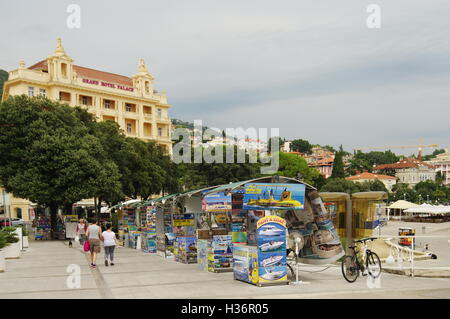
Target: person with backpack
94	236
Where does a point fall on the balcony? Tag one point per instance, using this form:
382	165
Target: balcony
165	120
29	75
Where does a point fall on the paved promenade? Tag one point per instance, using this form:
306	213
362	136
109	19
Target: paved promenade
41	272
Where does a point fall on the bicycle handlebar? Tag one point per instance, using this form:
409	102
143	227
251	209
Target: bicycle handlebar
363	240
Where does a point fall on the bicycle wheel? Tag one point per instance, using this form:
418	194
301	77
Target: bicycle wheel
350	269
373	264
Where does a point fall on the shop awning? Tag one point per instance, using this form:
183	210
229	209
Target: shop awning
161	199
198	191
402	204
429	209
375	195
267	179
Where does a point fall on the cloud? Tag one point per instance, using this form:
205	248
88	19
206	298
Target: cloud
311	68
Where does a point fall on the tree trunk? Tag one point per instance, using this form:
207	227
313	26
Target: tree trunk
99	207
53	219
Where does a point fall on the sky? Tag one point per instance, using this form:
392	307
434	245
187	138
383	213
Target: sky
313	69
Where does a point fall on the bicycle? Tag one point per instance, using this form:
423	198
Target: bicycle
352	266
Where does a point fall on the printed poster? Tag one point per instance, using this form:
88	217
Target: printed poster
260	196
245	263
271	239
217	203
180	220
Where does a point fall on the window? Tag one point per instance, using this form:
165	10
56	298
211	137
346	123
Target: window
42	92
159	131
19	212
129	128
30	91
84	100
128	107
107	104
147	87
64	70
159	113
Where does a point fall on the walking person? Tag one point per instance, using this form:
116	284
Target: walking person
81	231
94	236
109	240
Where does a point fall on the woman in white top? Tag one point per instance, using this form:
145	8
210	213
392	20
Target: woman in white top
109	241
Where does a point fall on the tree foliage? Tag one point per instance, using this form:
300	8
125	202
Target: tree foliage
366	161
346	186
433	155
48	155
302	146
291	165
204	174
56	155
338	165
3	78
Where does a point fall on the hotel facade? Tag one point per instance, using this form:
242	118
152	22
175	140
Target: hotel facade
132	102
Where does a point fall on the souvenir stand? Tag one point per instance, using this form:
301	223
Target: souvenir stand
147	219
43	228
128	230
263	210
164	206
185	243
60	229
214	234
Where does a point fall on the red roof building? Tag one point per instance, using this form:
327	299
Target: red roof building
387	180
410	171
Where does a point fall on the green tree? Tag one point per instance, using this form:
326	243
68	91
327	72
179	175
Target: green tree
301	146
433	155
271	140
48	155
340	185
366	161
3	78
338	165
402	191
198	175
373	186
292	165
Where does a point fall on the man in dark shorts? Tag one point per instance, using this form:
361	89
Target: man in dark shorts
94	236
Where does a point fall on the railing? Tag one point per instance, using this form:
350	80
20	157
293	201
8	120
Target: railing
29	74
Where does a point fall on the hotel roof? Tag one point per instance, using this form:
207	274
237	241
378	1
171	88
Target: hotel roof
90	74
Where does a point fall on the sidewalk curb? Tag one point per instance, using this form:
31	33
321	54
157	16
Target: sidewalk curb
425	272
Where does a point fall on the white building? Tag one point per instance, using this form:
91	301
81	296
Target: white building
442	164
410	171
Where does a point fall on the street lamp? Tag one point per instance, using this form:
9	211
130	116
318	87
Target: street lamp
404	196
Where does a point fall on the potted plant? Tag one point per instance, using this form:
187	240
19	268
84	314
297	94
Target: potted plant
12	250
25	242
3	244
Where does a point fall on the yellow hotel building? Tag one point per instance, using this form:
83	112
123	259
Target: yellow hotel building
132	102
